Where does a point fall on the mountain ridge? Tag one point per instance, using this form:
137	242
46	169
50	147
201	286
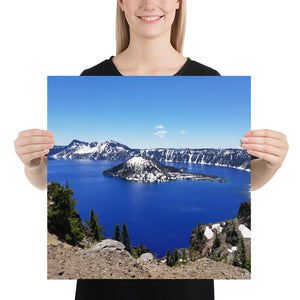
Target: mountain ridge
112	150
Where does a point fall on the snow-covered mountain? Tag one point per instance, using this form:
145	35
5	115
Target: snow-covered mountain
145	169
233	158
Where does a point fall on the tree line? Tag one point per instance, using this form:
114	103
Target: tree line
64	221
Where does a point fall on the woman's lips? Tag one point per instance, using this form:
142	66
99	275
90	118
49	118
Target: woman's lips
150	19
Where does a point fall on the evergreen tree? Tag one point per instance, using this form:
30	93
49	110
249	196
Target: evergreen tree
176	256
235	261
232	236
142	249
168	258
94	228
125	237
67	185
184	255
117	233
63	218
242	253
217	241
172	258
248	264
197	239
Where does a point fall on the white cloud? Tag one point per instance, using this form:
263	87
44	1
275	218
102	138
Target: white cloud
160	131
182	132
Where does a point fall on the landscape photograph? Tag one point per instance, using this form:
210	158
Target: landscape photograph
147	178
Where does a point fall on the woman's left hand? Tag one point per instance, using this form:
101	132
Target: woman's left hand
269	145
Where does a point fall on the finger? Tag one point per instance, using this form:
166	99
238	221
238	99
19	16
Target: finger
263	141
30	140
27	158
38	132
265	133
263	148
275	161
34	148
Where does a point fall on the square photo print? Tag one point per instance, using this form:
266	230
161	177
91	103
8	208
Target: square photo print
147	178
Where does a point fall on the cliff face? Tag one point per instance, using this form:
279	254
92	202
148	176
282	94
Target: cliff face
233	158
244	214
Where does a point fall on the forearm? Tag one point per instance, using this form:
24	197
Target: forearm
260	173
38	175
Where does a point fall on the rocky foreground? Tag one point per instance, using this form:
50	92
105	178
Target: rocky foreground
109	260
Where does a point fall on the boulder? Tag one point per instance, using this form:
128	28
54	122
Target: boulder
108	244
147	257
60	245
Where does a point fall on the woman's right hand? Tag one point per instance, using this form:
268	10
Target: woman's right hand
31	145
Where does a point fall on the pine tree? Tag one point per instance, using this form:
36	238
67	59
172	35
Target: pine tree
168	258
197	239
232	236
248	264
142	249
93	226
217	241
63	218
184	255
242	253
125	237
176	256
235	261
117	233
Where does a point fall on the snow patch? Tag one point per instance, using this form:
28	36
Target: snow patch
246	232
233	249
86	149
217	227
208	233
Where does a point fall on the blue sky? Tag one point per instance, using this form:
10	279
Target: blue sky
150	111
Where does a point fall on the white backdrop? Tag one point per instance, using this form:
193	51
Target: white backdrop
257	38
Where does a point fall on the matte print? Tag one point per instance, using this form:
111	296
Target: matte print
147	178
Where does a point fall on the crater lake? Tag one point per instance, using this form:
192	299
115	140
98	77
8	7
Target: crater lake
160	216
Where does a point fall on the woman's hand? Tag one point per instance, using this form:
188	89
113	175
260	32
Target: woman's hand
269	145
31	145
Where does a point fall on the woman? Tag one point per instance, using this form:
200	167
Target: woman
150	36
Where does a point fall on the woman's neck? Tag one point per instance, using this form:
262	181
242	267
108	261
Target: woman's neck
149	57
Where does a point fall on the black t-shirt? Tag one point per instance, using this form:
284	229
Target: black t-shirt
146	289
190	68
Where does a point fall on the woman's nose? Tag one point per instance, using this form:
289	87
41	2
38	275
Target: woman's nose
149	5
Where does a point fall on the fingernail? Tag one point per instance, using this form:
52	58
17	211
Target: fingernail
244	139
248	133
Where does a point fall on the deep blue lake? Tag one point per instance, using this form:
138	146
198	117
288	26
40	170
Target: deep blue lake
159	215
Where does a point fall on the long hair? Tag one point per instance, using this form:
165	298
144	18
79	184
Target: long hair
177	30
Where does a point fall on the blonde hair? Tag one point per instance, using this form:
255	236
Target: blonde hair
177	30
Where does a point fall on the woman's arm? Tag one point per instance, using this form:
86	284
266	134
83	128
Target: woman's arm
31	146
271	148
